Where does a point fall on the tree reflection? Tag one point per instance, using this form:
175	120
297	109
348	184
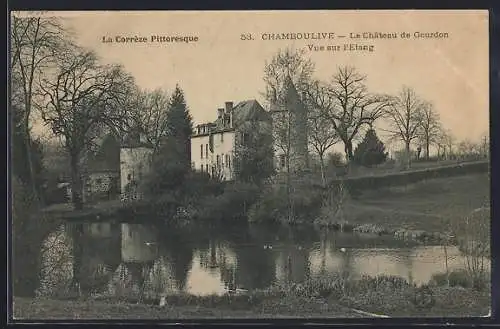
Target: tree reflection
256	266
179	249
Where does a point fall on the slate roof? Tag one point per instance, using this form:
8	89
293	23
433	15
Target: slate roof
107	158
133	139
248	111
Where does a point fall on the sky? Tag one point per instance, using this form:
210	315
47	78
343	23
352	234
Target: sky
452	73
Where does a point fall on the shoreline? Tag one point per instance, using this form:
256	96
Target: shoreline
370	297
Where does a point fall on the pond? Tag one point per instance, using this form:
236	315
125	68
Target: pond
116	257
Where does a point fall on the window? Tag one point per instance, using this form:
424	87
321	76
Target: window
222	160
227	161
201	167
245	138
201	149
129	177
206	150
222	137
206	168
218	160
282	160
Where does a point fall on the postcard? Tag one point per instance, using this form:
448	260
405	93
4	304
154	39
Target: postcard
250	164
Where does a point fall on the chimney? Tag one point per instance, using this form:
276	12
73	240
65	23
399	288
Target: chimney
229	107
220	113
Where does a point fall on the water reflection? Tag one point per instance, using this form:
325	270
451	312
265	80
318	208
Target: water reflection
123	259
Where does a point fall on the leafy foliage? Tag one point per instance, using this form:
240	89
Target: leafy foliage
171	164
253	157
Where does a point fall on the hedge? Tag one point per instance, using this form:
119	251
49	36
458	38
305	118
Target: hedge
356	185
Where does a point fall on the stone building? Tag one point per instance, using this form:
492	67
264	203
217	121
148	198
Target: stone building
213	145
135	162
290	130
101	174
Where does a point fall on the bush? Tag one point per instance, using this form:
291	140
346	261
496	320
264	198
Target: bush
272	206
233	203
457	278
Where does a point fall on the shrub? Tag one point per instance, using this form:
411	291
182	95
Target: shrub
457	278
473	234
273	206
233	203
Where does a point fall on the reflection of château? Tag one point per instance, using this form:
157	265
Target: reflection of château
122	253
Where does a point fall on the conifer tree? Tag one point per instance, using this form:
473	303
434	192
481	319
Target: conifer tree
371	151
173	160
180	123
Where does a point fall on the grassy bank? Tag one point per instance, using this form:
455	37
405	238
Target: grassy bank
319	297
428	205
56	309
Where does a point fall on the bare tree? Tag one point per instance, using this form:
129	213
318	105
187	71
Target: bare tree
348	105
448	144
322	136
151	114
467	149
34	43
289	67
430	128
287	63
485	145
78	100
405	114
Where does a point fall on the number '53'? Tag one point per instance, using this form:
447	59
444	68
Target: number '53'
246	36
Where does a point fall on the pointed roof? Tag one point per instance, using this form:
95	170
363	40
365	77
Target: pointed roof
107	157
134	137
290	99
249	110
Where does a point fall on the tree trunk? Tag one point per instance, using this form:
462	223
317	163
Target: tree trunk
288	172
427	147
322	168
348	150
408	155
76	183
289	190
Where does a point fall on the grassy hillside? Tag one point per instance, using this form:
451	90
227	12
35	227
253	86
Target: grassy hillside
425	205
